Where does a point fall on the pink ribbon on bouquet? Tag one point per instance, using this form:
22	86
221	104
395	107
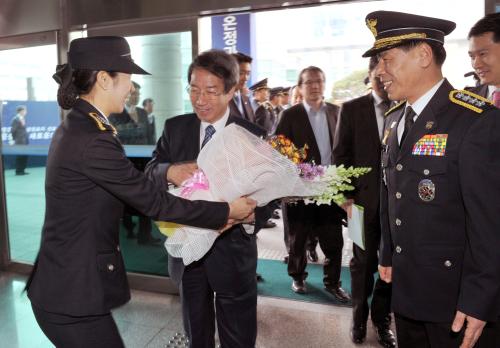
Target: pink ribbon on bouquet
197	182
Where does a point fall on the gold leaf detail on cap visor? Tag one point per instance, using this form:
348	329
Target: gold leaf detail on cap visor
371	24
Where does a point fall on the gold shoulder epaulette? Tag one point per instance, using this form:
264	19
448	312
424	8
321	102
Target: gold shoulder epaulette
470	100
395	107
101	125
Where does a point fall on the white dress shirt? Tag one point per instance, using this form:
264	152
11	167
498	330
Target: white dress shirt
418	107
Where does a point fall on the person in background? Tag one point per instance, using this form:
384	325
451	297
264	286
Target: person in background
79	274
313	122
296	97
285	98
266	114
148	105
260	93
358	143
484	53
133	128
440	192
240	105
20	136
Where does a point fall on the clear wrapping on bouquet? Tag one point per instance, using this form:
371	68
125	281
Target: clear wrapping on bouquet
236	163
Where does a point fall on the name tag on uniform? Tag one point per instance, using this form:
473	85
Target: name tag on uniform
430	145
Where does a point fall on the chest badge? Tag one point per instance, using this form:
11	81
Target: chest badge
426	190
429	125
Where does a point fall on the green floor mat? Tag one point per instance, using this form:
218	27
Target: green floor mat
277	283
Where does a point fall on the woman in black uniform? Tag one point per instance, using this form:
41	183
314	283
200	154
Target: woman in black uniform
79	275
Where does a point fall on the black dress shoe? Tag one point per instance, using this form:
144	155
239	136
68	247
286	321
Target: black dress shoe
299	286
275	215
312	255
340	294
385	336
269	224
358	333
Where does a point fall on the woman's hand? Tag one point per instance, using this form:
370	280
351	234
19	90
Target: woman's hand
241	209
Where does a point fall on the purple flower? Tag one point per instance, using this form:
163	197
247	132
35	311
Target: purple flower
309	171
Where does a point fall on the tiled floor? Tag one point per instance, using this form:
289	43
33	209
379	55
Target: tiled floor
151	319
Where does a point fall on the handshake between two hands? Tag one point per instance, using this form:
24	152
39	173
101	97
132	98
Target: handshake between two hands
241	210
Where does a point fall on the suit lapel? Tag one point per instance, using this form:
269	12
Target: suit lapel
426	121
392	126
194	129
247	108
371	122
331	117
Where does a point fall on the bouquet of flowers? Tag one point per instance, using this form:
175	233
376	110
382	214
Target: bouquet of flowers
236	163
337	179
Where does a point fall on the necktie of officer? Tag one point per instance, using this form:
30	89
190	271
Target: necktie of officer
409	115
209	132
496	98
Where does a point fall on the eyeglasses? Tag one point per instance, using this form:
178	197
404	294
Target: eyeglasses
309	83
196	93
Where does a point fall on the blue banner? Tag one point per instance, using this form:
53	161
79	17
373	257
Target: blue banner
42	119
232	33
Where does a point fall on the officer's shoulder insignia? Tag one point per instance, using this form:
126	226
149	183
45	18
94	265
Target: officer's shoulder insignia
395	107
104	126
470	100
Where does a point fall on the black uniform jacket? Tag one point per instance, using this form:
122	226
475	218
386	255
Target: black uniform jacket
295	125
357	144
444	250
79	269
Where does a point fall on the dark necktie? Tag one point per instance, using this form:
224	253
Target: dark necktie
409	114
209	132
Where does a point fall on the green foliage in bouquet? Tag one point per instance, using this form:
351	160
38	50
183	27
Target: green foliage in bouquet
339	180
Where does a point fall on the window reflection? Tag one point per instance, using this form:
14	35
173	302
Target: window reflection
29	115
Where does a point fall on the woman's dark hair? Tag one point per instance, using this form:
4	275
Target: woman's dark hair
82	81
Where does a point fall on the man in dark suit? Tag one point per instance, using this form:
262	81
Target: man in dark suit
357	143
313	123
20	137
240	104
439	200
228	269
484	51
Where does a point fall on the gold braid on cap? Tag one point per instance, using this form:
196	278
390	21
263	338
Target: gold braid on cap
386	41
371	24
